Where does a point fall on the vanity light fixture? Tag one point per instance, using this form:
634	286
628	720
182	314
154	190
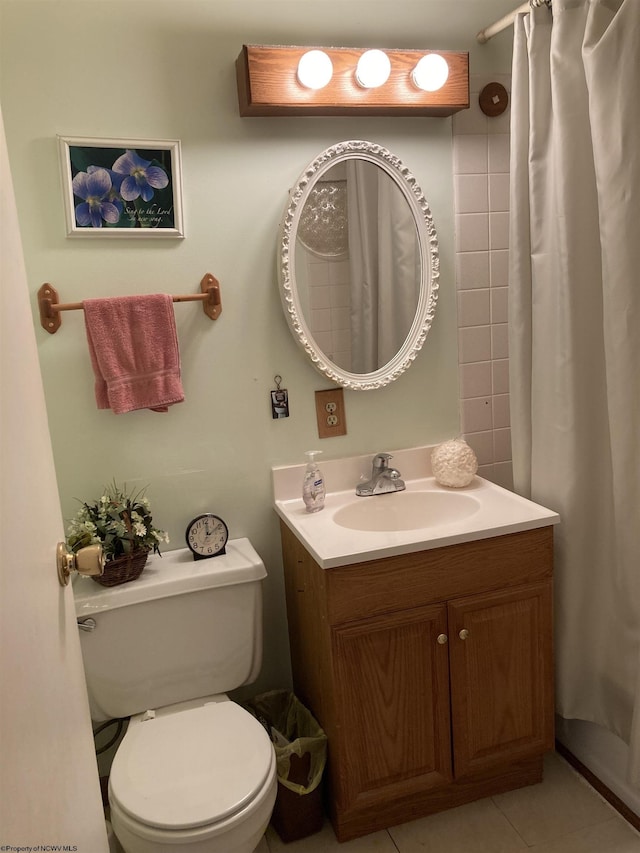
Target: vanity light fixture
431	72
315	69
373	69
272	82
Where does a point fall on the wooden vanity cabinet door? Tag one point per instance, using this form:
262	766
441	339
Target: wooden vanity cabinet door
501	677
392	689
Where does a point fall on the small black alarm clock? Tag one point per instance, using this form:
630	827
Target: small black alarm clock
207	536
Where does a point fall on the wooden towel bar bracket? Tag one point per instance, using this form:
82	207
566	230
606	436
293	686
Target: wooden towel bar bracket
50	306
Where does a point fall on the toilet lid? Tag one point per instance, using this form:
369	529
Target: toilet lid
191	768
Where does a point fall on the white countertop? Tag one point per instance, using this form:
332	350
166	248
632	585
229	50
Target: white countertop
499	511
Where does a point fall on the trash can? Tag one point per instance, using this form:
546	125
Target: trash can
301	753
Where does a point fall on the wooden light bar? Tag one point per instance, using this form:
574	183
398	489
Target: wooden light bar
268	84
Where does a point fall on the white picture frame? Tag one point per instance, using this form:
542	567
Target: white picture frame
128	188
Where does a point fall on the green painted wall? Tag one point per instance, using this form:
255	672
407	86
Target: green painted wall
157	70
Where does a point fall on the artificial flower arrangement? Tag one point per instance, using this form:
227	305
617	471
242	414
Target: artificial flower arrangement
121	522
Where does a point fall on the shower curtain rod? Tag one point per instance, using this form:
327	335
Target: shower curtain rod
493	29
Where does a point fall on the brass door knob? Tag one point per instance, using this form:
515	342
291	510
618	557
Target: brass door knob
88	561
442	639
463	634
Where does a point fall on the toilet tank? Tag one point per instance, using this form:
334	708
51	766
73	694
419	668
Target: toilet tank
182	630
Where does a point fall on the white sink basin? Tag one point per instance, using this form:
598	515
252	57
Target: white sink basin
406	511
353	529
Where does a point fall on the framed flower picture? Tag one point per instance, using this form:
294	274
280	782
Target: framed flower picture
121	187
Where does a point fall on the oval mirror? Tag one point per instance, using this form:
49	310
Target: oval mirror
358	266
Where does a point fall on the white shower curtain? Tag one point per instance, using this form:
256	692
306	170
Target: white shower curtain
384	266
575	337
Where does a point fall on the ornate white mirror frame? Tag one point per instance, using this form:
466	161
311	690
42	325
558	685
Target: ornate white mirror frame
427	250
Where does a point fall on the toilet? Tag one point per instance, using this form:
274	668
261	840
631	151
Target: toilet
195	772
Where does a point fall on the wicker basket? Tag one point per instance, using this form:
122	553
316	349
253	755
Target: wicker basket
123	569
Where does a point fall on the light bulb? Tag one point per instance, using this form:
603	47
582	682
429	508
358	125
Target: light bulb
315	69
431	72
373	69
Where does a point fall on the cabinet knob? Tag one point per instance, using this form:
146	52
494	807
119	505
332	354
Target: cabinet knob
442	639
463	634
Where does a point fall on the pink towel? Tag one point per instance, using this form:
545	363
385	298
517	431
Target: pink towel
134	352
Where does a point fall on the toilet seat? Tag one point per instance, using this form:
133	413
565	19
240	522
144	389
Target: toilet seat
191	768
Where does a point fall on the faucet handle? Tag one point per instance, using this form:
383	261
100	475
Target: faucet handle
381	460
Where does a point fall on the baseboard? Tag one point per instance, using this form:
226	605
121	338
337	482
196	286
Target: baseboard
613	800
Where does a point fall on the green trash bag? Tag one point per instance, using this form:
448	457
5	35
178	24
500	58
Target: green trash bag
300	743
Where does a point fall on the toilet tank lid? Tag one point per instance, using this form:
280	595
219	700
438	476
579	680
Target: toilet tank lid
174	573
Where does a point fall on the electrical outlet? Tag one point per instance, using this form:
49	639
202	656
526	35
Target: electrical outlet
330	413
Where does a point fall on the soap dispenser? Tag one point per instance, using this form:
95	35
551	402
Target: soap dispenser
313	488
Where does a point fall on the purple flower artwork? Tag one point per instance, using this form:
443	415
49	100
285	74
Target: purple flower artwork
94	187
120	187
139	177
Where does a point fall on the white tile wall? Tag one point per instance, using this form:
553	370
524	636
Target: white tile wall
474	344
330	301
474	307
499	268
470	152
472	232
476	379
499	304
473	269
481	194
500	375
472	193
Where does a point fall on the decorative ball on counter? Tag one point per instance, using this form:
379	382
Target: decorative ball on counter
454	463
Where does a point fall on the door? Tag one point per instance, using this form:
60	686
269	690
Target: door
49	788
392	697
501	677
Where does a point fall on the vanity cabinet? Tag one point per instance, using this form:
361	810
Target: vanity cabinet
431	673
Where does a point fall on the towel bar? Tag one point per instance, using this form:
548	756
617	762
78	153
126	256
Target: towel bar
50	306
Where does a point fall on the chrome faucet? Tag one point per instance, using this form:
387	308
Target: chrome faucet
383	478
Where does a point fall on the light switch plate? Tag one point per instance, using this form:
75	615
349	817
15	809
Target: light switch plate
330	413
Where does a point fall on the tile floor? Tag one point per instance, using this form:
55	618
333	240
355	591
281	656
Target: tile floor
561	815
